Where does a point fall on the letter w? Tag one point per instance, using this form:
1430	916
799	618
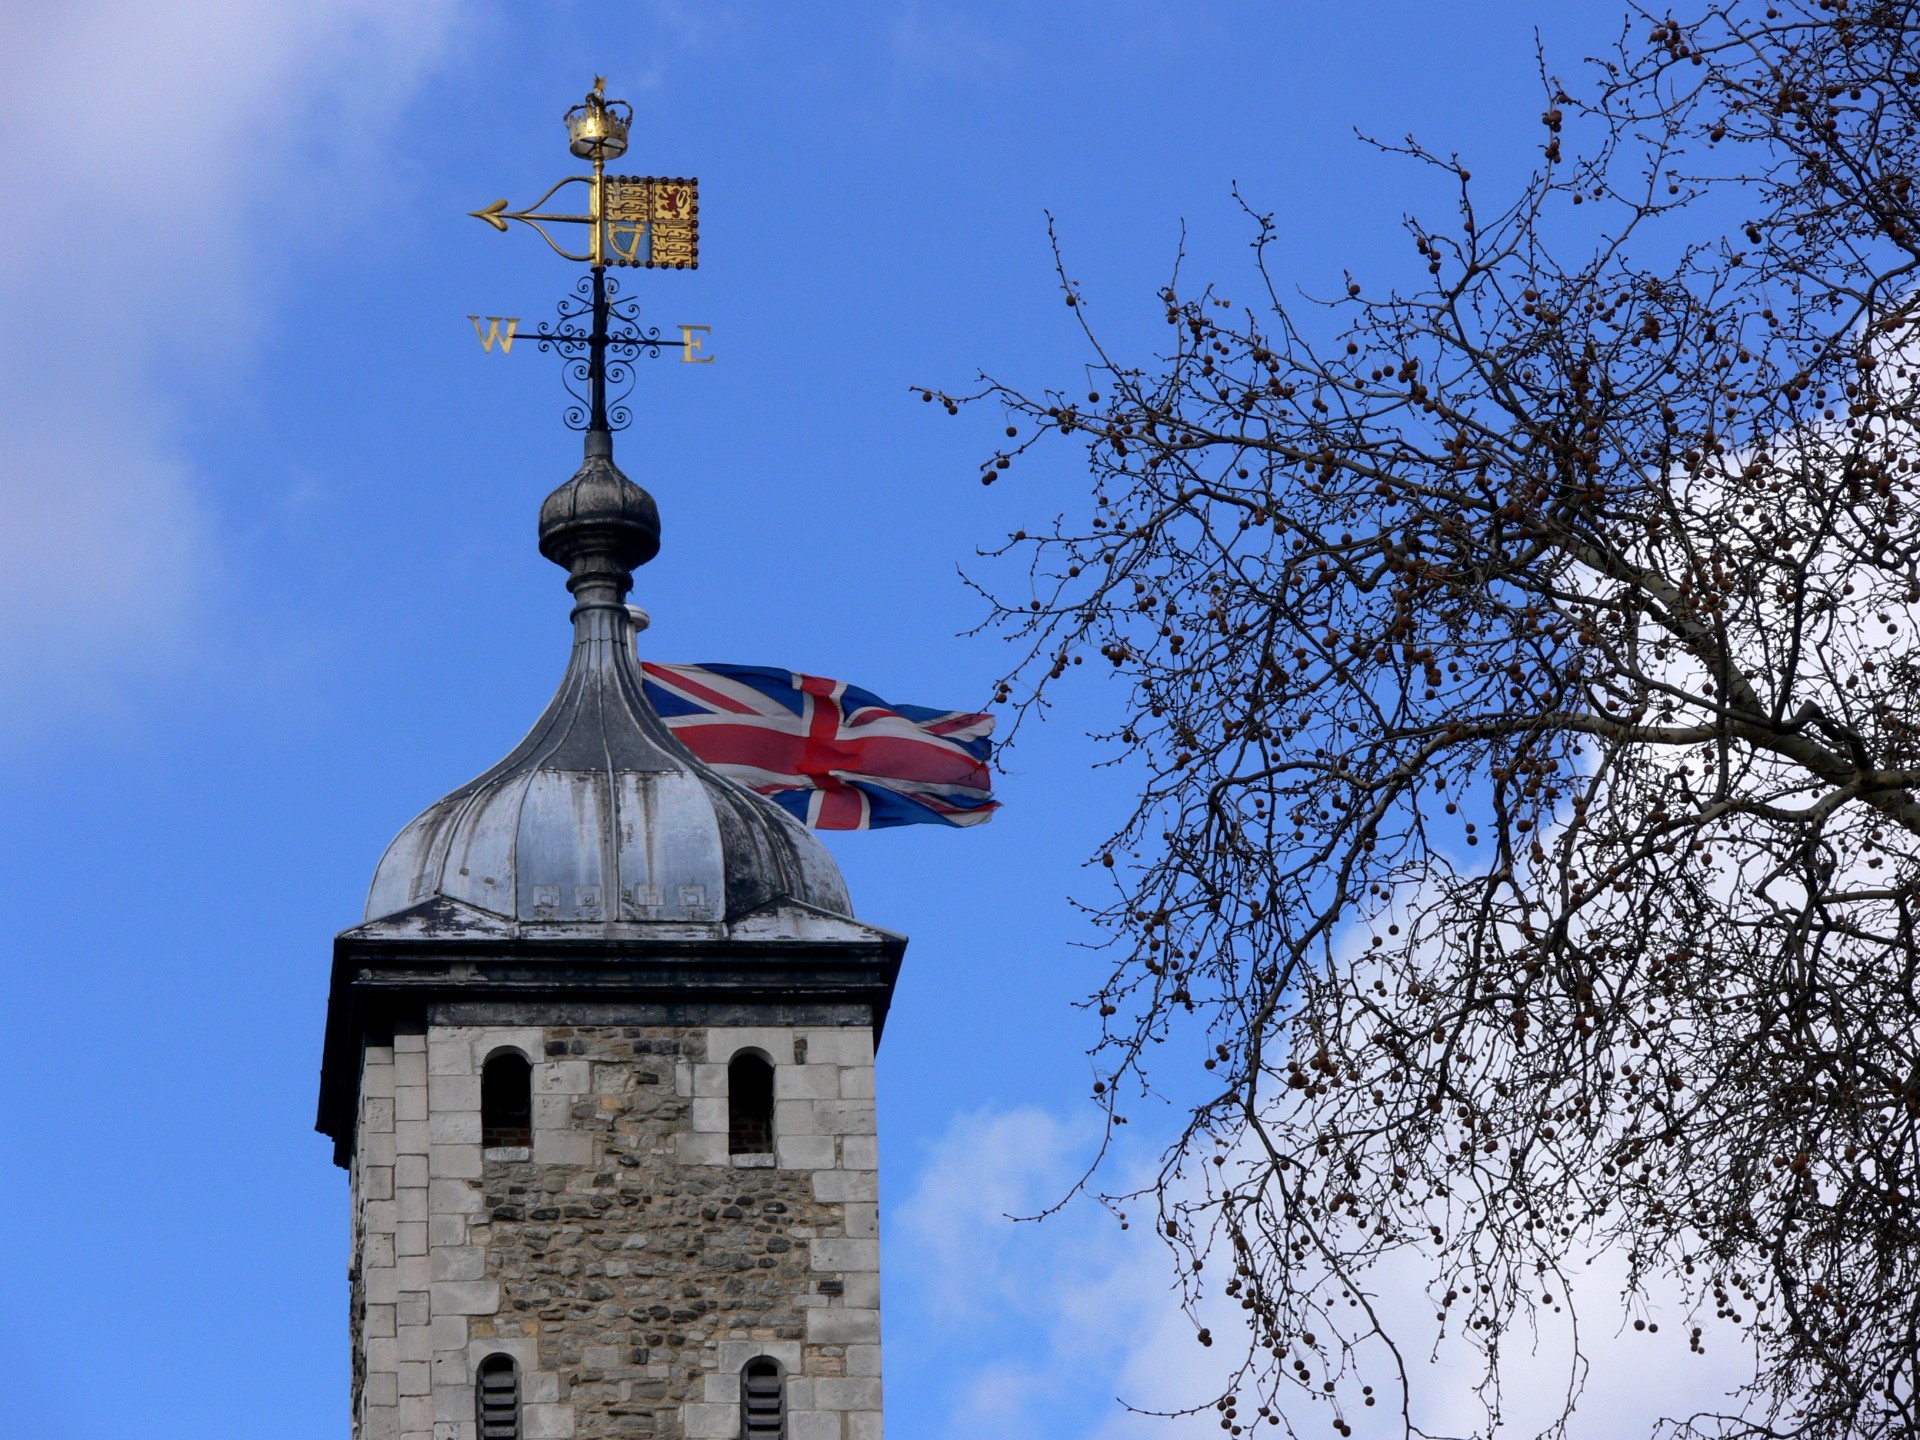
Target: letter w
492	332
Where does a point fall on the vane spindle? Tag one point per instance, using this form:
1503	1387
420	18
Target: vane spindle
597	365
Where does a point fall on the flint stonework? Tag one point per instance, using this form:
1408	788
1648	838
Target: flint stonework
633	1276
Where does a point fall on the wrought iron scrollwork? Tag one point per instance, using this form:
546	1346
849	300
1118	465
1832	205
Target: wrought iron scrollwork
583	334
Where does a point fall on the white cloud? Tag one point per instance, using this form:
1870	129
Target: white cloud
1040	1314
1050	1326
148	152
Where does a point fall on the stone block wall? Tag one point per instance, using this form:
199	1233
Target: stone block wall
629	1264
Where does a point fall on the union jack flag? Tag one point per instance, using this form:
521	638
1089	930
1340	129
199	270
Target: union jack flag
835	756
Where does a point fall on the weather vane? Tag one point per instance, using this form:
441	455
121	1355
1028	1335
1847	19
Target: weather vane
652	222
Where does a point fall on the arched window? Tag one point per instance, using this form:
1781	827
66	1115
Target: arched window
763	1400
749	1105
496	1394
506	1102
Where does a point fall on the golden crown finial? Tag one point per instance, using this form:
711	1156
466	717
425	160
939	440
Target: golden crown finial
597	127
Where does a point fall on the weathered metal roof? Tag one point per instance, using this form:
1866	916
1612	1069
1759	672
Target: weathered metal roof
600	816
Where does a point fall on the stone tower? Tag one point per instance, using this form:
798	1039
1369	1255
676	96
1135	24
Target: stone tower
599	1063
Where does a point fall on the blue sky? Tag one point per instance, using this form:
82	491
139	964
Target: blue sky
268	583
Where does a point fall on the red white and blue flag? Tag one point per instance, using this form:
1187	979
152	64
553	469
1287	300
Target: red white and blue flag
835	756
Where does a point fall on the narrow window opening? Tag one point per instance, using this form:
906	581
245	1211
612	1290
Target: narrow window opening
749	1105
506	1102
763	1401
497	1396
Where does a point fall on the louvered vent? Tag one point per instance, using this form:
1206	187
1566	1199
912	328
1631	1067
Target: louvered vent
763	1401
497	1398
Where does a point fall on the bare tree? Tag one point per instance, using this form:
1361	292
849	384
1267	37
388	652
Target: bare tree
1518	674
